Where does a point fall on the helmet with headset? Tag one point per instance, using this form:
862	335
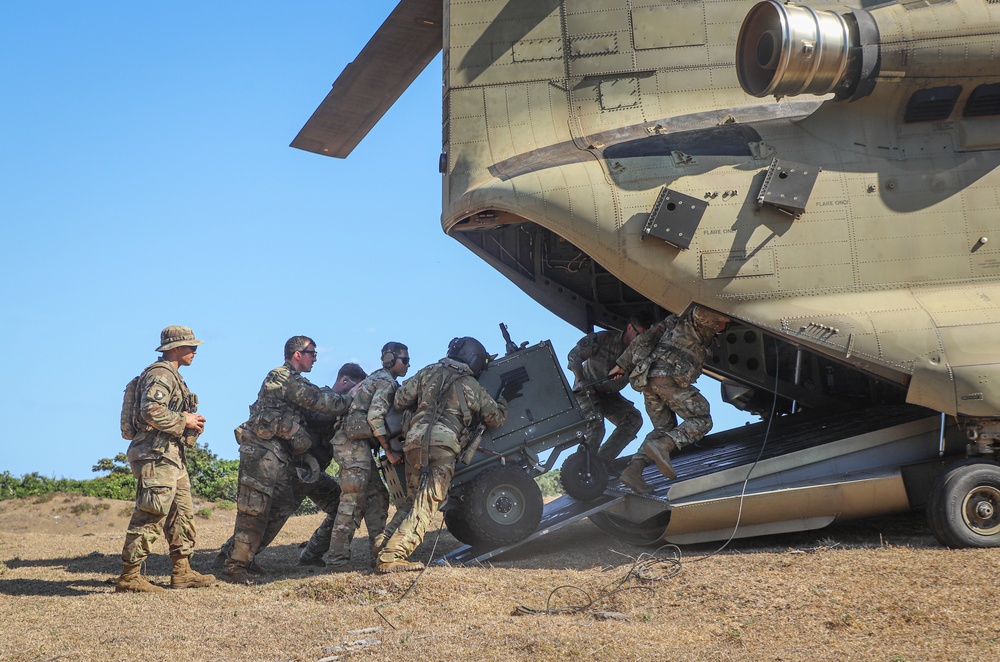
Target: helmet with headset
390	353
469	351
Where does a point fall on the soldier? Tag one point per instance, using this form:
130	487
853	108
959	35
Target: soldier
312	481
448	402
272	441
363	494
663	364
349	376
166	425
590	362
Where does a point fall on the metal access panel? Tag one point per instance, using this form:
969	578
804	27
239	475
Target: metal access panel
674	218
787	186
546	407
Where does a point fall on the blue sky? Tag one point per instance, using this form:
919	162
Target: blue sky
146	180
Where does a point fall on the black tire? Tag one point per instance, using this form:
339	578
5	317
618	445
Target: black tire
504	505
964	505
458	526
583	478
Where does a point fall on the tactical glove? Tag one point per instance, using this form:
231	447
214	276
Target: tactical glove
510	391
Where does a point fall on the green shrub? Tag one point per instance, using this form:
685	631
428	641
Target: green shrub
550	483
204	513
116	485
211	478
81	508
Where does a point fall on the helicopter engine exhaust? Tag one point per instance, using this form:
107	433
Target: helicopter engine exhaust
787	50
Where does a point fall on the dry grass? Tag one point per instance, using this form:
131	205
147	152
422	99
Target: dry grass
876	590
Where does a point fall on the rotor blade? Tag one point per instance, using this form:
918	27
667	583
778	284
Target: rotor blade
367	88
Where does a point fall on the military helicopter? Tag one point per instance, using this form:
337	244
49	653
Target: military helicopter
825	175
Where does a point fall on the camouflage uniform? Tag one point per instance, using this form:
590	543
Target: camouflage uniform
275	434
363	494
157	457
592	358
663	364
324	492
449	401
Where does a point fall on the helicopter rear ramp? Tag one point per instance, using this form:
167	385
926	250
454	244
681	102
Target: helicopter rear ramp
806	472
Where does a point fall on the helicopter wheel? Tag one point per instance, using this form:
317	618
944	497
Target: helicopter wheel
964	505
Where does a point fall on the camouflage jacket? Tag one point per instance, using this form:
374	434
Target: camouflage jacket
373	399
675	347
444	414
594	356
285	403
164	397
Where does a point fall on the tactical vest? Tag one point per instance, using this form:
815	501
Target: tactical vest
356	420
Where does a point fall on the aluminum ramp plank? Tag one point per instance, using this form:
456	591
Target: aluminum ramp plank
559	513
742	446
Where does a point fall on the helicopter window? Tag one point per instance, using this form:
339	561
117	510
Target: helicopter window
932	104
984	100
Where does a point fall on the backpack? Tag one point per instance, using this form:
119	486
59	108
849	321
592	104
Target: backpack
130	407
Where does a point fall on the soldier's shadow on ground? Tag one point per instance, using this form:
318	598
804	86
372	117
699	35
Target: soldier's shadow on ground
158	567
48	587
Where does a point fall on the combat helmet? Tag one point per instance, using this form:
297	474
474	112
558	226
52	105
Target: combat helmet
470	352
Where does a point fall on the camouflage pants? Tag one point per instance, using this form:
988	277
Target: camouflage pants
427	500
325	493
375	517
266	500
162	506
617	409
665	401
363	496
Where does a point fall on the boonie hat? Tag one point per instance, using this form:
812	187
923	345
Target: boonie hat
176	336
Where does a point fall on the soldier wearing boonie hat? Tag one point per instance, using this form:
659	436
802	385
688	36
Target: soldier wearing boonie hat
177	336
165	424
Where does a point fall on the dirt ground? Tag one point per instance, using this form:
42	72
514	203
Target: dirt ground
872	590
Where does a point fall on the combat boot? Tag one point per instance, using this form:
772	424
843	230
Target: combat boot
309	559
660	454
132	581
237	574
398	565
378	544
617	465
340	550
184	576
632	477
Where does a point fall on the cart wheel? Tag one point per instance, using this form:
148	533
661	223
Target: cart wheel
584	478
964	506
458	526
504	505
